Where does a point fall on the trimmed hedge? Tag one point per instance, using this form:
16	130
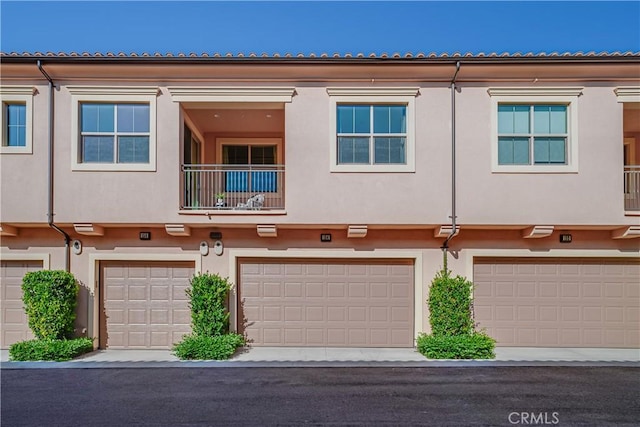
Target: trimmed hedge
202	347
453	334
450	305
49	298
474	346
210	339
50	349
208	298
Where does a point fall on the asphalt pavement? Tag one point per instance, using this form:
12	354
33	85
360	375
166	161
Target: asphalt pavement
495	396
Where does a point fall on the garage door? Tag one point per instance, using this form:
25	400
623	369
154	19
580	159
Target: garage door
559	303
145	305
327	303
13	326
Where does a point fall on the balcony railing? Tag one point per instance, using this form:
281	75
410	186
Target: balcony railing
632	188
233	187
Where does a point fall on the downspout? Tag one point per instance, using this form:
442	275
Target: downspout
454	227
67	239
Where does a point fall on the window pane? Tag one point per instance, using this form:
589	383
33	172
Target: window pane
550	119
513	151
133	149
16	136
263	155
549	151
381	153
353	119
362	119
381	119
16	114
389	119
398	119
97	117
353	150
558	119
513	119
557	150
97	149
235	154
345	119
133	118
505	119
541	150
521	151
390	150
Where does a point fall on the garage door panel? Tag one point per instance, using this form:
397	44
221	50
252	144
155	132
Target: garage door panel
14	325
145	305
566	303
321	303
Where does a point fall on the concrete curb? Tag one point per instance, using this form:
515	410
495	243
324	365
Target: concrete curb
313	364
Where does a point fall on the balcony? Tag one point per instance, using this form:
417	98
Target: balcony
232	187
632	188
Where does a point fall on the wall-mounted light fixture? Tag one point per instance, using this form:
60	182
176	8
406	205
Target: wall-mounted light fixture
204	248
218	248
77	247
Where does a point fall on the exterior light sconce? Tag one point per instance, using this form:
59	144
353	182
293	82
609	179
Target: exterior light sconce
77	247
204	248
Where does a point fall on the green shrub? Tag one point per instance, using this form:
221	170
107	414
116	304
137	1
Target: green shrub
450	305
203	347
477	345
208	297
50	349
49	298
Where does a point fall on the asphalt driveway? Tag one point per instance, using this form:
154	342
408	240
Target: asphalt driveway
597	396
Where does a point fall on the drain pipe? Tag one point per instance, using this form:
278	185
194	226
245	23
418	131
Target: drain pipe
67	239
454	228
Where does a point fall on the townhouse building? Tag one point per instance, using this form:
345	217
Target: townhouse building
327	188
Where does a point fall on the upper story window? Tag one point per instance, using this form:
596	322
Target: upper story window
534	129
16	125
372	129
372	134
115	133
115	128
16	119
532	134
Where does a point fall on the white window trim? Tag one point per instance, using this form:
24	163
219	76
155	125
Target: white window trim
531	96
18	95
627	93
231	94
372	96
112	94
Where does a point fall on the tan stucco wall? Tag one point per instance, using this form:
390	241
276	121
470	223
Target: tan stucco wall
314	195
124	244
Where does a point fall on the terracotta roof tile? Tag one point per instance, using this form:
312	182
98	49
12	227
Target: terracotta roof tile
324	55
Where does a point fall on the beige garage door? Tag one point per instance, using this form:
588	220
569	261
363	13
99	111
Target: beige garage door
559	303
144	304
13	326
327	303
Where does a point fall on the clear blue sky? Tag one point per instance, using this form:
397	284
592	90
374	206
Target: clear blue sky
319	26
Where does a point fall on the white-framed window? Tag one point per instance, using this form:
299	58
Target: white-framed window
372	129
16	119
534	130
114	128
